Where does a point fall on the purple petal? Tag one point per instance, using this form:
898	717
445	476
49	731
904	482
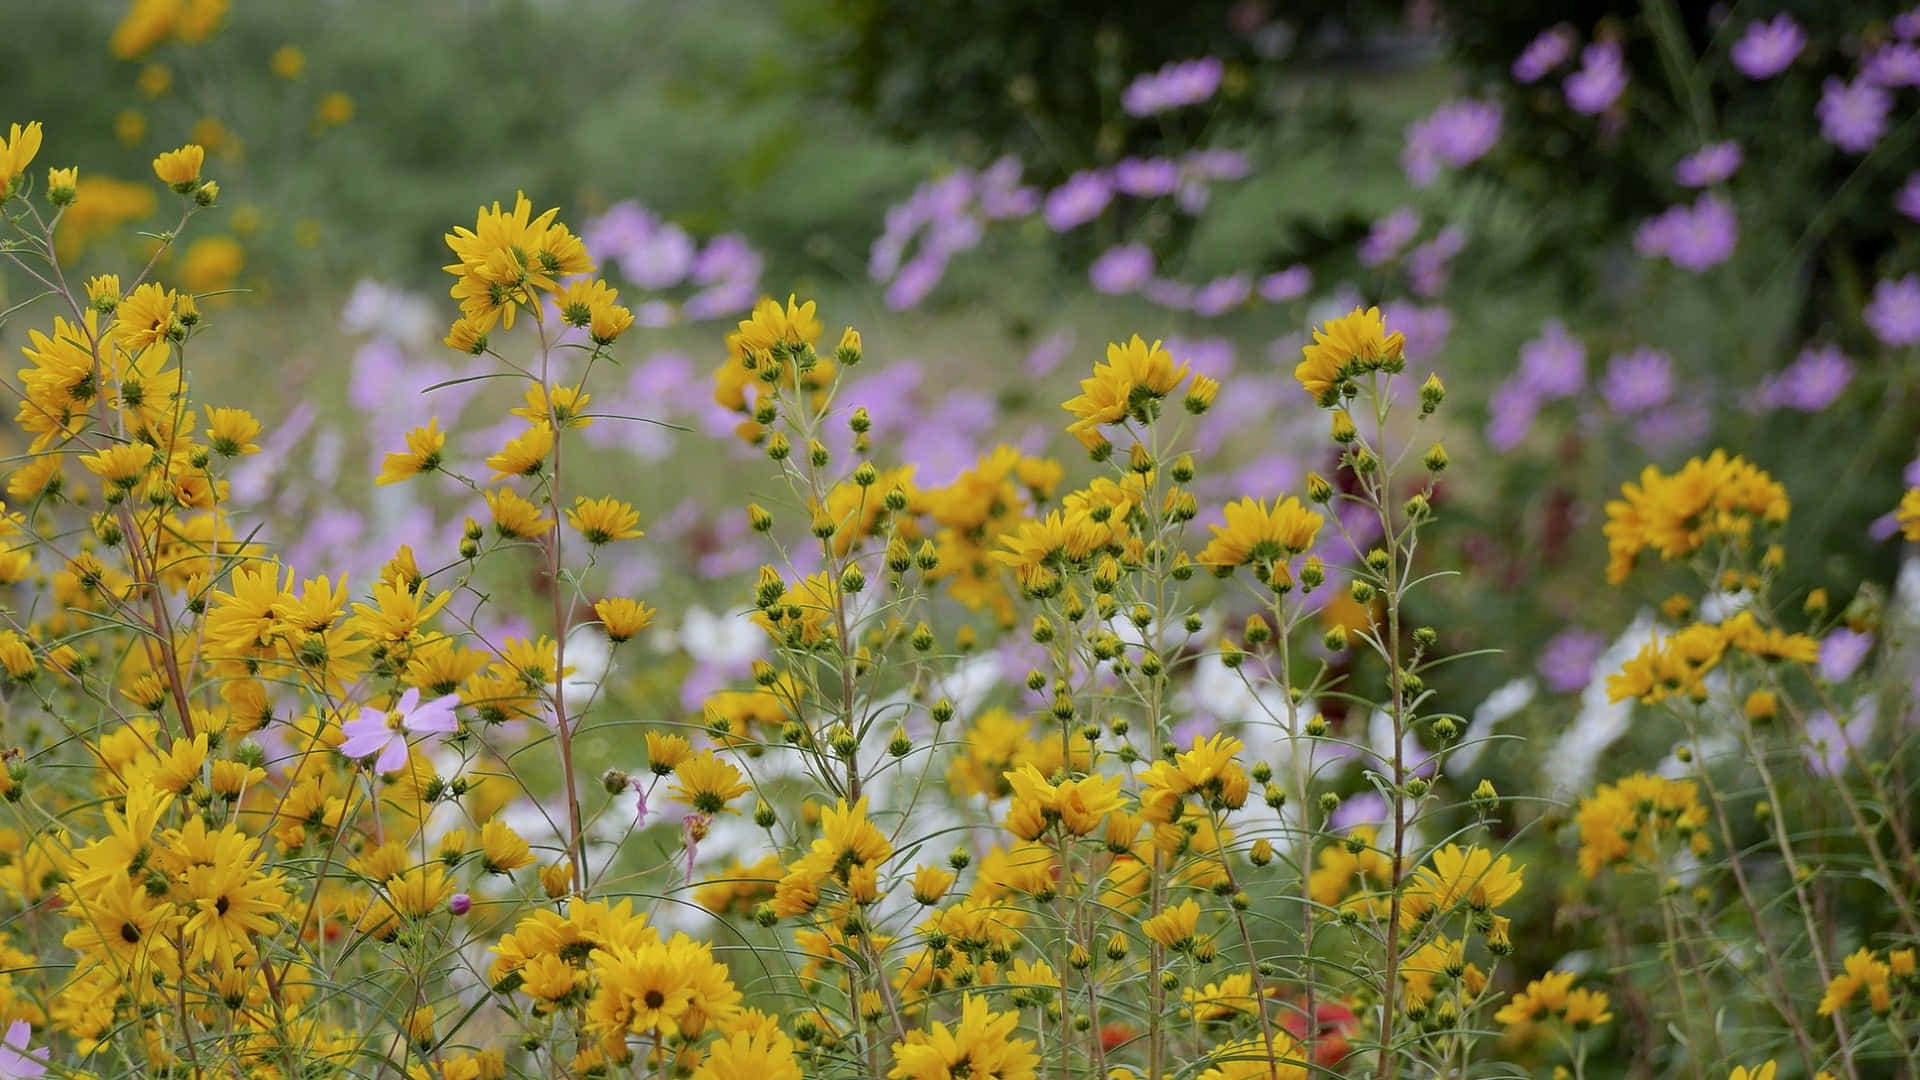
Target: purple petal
393	757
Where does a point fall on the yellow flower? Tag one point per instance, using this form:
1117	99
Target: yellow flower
750	1055
604	520
665	752
468	336
422	454
335	109
1862	970
180	169
1470	876
1261	535
707	783
16	153
621	618
1908	514
144	317
230	432
1543	996
1174	927
1586	1009
1351	344
501	849
1716	498
980	1045
63	185
211	263
930	883
525	454
121	465
1762	1071
1148	368
514	516
130	126
288	62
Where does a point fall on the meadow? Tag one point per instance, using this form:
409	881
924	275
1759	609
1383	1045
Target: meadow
843	538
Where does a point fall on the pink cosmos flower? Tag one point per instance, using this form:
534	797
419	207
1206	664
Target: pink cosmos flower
16	1060
384	732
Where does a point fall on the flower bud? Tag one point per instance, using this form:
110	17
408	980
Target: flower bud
1432	393
1342	428
1318	490
848	353
1436	459
763	815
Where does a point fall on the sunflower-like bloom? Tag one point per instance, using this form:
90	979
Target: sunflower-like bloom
1344	347
707	783
1470	876
16	153
980	1045
1260	535
1716	498
422	454
604	520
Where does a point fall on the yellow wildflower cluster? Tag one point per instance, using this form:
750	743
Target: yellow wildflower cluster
1716	500
1628	820
1862	970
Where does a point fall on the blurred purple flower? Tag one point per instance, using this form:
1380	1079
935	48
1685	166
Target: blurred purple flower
1295	281
1222	294
1892	65
18	1059
1428	264
1001	194
1894	312
1178	84
1209	356
1566	663
1168	294
1601	80
1510	412
1210	165
1049	353
1708	165
1637	381
1122	269
1554	365
1906	27
1454	135
916	280
1150	178
1426	327
1814	380
1842	652
1907	200
1388	235
1366	808
1544	53
1827	741
1768	48
1695	238
1677	424
1078	201
1853	115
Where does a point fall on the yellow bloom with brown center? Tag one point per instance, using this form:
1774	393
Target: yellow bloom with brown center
502	850
525	454
180	169
230	432
144	317
1344	347
1261	535
622	618
514	516
120	465
707	783
1174	928
604	520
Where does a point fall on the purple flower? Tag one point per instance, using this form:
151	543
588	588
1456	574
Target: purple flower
384	732
1811	383
1426	327
1708	165
459	903
1293	283
1907	27
1842	653
1428	264
1222	294
1210	165
1681	423
1567	661
17	1060
1510	412
1896	64
1695	238
1148	179
1638	381
1049	353
1366	808
1553	365
915	280
1544	53
1001	194
1827	742
1122	269
1168	294
1389	235
1173	86
1907	200
1894	312
1454	135
1768	48
1077	201
1601	80
1853	115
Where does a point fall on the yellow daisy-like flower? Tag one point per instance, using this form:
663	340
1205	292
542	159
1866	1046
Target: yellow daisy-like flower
502	850
1344	347
1908	514
770	324
604	520
16	153
525	454
1174	927
180	169
1762	1071
231	432
121	465
1149	368
1261	535
621	618
514	516
468	336
980	1045
144	317
422	454
707	783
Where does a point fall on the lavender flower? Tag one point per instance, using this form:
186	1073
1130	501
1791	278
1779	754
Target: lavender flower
17	1060
1222	294
1894	312
1567	661
1208	166
1454	135
1853	115
1906	27
1678	424
1544	53
1553	365
1511	409
384	732
1146	179
1842	653
1078	201
1389	235
1638	381
1121	269
1812	382
1426	327
1601	80
1001	194
1768	48
1892	65
1708	165
1428	264
1168	294
1907	200
1294	282
1695	238
1173	86
1827	741
1049	353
